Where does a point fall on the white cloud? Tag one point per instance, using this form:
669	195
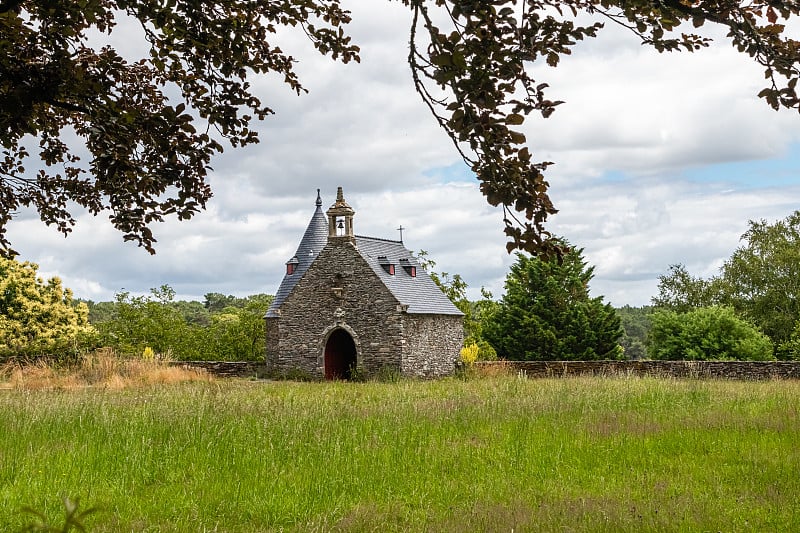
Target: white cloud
634	110
634	230
634	124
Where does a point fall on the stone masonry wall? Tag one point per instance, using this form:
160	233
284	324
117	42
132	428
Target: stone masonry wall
433	345
226	369
743	370
338	290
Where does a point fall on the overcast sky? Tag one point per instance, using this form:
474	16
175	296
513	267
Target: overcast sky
660	159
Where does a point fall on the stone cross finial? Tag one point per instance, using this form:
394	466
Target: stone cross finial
340	202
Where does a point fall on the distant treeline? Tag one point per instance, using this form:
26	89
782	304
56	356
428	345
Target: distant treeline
221	327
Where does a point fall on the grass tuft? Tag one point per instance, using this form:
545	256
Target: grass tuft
99	369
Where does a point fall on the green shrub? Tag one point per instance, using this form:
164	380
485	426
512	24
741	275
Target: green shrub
704	334
486	351
39	318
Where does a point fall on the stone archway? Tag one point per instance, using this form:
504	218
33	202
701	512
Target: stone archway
340	355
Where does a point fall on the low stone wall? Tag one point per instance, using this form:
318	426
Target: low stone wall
227	369
742	370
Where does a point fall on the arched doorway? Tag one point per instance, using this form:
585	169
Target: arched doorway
340	355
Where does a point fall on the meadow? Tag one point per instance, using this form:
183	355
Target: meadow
484	454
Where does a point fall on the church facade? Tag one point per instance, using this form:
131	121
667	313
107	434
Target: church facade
350	304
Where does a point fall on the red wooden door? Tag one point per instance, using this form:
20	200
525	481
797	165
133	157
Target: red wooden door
340	355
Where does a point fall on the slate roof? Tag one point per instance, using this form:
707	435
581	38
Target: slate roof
314	240
419	293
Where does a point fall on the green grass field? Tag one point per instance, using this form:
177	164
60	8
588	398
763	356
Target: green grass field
491	454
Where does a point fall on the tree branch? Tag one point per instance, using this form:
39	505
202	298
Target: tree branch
687	9
68	106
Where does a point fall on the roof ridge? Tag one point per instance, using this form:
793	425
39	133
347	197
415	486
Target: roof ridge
378	239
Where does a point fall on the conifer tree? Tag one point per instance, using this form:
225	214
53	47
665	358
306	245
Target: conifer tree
547	313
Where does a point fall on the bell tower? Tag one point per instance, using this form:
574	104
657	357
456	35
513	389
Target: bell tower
340	220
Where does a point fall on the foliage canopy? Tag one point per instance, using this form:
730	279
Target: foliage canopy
636	327
760	281
547	314
149	128
704	334
224	328
149	154
38	317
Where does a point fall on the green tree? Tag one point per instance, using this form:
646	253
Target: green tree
481	311
38	317
237	333
186	330
216	302
680	291
547	313
194	313
705	334
151	321
99	311
151	126
760	281
635	326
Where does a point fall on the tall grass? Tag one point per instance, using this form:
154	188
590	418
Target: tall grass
101	368
492	454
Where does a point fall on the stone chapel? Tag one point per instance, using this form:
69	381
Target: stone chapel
350	302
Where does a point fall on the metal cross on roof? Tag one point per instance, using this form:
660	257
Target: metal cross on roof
400	229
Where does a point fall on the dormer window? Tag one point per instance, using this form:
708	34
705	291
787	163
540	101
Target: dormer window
291	266
410	269
386	264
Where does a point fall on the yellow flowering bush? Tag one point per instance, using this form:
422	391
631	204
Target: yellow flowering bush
469	354
38	317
